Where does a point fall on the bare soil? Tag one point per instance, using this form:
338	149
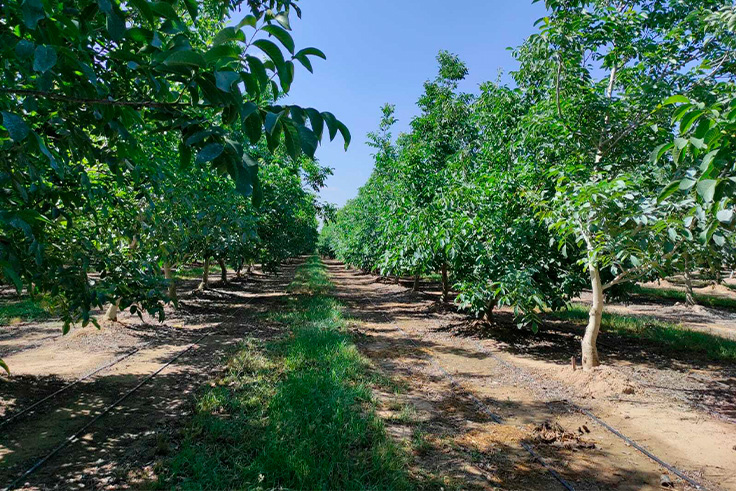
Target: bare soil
679	407
120	451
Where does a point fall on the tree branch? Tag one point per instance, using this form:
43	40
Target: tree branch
104	102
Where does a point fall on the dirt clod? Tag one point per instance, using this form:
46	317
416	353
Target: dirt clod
551	433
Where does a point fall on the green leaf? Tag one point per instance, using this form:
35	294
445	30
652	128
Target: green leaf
222	53
10	274
248	20
17	128
676	99
185	58
227	35
271	50
165	10
686	184
725	216
272	119
283	19
209	153
44	58
317	122
308	141
283	36
32	13
144	8
116	27
226	79
345	133
192	8
4	366
304	60
669	190
253	127
24	49
659	151
707	189
312	52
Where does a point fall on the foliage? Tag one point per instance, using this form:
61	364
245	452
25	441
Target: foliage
119	121
523	194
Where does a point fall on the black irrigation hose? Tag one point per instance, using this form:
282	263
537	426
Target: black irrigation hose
109	408
68	386
483	407
600	422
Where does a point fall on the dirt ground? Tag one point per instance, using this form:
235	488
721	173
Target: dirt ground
680	409
120	451
455	377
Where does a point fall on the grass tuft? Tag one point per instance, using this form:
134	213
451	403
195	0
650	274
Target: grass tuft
672	336
296	413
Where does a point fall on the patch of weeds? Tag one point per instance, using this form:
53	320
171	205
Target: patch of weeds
23	310
295	413
679	296
419	442
672	336
196	272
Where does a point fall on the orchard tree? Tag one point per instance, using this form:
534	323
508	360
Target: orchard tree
593	132
90	88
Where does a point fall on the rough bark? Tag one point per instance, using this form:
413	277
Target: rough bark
205	284
112	312
490	305
171	281
589	348
689	294
445	283
223	271
415	288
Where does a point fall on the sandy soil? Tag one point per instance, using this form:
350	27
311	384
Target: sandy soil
677	408
120	451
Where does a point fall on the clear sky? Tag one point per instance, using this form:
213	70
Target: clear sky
381	51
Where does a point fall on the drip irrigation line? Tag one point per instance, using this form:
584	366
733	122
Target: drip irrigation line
598	421
481	406
107	410
8	420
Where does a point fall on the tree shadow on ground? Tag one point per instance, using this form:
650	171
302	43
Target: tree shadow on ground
120	450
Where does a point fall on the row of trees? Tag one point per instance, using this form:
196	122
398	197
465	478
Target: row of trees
137	136
609	160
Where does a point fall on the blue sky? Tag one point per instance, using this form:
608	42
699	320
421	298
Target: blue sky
381	51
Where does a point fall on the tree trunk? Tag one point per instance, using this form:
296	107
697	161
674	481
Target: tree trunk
689	294
223	271
112	311
490	305
590	351
445	283
239	271
205	275
415	288
171	281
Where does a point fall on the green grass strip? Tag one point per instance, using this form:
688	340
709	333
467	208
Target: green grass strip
23	310
297	413
679	296
671	336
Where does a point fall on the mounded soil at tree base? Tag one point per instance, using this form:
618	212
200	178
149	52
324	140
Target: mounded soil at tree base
120	451
670	404
673	406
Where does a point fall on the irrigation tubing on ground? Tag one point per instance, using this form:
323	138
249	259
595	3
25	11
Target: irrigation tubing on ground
109	408
482	406
599	421
15	416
